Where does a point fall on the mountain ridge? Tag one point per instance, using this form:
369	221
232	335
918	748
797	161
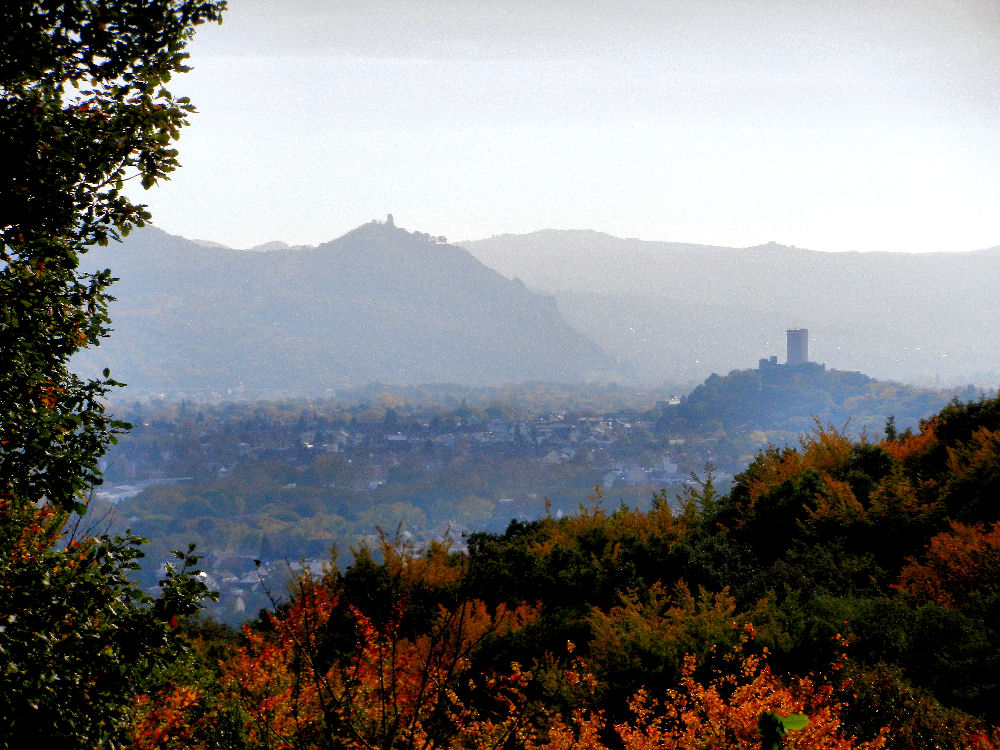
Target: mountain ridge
378	304
682	311
650	311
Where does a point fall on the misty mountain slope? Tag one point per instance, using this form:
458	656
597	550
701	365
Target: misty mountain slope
378	304
683	311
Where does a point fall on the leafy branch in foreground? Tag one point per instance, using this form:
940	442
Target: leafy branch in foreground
83	109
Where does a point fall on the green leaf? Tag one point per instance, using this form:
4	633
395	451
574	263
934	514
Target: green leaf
794	722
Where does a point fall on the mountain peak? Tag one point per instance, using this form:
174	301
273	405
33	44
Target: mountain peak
272	245
377	304
387	233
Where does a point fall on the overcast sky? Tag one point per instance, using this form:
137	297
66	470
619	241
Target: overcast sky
826	124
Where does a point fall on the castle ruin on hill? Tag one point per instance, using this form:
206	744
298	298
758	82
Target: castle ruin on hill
796	350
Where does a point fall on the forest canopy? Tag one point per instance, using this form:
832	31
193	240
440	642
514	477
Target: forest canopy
849	580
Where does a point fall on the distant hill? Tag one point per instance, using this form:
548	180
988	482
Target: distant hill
379	304
682	311
781	399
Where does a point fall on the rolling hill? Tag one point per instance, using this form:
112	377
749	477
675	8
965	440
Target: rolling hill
379	304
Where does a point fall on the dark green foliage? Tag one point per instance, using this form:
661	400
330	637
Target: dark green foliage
962	466
881	696
79	638
953	655
957	422
811	543
82	109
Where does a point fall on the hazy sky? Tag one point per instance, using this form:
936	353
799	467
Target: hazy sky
827	124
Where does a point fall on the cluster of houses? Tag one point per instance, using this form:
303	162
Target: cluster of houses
621	446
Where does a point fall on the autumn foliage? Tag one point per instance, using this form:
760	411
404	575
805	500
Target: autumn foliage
725	712
957	566
391	691
693	626
388	691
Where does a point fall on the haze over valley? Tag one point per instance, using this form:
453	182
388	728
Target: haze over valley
383	304
683	311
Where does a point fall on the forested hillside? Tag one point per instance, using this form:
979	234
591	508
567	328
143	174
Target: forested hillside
854	581
379	304
787	401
